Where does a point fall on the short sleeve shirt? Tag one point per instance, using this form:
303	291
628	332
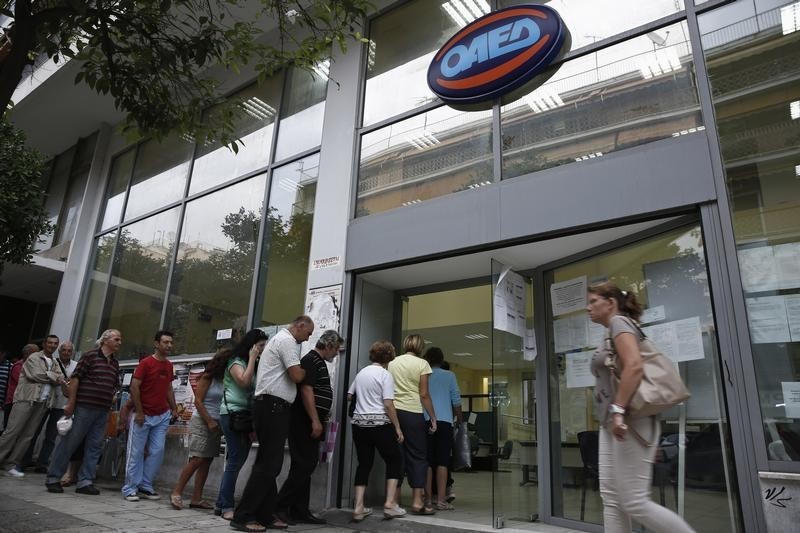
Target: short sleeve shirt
98	379
444	394
156	381
235	398
282	351
603	390
407	370
317	376
372	385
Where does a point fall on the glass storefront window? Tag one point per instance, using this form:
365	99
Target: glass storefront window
287	242
402	43
97	281
215	164
302	111
118	180
756	99
668	274
79	174
213	274
159	175
429	155
590	21
629	94
138	281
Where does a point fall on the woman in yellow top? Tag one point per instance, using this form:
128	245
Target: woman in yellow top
411	372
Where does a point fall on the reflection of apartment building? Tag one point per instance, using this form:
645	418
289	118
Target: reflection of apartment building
662	154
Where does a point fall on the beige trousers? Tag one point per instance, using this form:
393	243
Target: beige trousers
626	471
21	426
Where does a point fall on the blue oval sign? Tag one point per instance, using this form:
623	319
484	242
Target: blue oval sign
496	54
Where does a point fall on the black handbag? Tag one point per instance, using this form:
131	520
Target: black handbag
241	421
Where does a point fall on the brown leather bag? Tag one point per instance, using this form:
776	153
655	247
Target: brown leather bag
661	387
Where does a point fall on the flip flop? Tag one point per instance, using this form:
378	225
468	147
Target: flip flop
250	527
423	511
201	505
176	501
227	515
358	517
277	524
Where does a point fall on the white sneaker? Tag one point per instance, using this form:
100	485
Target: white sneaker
15	473
132	498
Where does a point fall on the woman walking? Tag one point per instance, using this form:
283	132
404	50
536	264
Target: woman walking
411	373
627	445
375	427
237	392
204	432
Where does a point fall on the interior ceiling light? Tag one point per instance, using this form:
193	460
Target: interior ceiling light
794	109
476	336
797	170
790	18
423	140
412	202
481	184
462	12
543	100
258	109
371	54
688	131
589	156
660	62
461	354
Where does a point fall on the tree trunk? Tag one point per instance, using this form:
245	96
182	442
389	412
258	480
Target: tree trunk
22	41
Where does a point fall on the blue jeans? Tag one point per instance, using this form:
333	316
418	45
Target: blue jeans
140	471
237	447
89	424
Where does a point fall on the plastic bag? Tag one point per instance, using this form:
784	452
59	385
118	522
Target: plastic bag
63	425
462	453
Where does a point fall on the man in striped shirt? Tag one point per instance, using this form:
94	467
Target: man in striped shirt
92	387
309	414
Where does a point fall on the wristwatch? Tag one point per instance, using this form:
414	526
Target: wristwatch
615	409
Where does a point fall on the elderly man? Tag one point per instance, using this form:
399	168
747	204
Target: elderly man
33	396
64	361
279	371
92	387
309	415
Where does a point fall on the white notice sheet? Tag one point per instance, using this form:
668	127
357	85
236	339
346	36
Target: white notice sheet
767	317
758	269
509	303
792	302
529	349
570	333
568	296
787	260
578	370
653	314
791	398
681	340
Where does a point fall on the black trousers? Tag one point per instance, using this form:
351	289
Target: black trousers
271	420
415	447
384	439
304	450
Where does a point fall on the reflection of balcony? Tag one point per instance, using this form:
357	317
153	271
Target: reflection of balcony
767	222
761	140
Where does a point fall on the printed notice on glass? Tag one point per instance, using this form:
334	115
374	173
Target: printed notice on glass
568	296
787	261
792	302
681	340
767	318
529	350
578	370
791	398
570	333
597	333
509	303
758	269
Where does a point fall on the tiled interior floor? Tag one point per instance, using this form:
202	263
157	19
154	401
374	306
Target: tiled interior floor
706	510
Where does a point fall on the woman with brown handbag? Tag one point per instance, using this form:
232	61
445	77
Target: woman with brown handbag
627	445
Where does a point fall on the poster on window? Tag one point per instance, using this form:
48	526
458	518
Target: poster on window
509	303
568	296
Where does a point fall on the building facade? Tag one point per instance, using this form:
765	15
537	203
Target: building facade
663	154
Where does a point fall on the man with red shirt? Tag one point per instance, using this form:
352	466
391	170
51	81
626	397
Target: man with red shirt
154	400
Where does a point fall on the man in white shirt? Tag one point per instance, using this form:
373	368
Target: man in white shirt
278	374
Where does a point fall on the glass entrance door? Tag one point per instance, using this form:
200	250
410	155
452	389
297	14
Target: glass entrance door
513	399
692	473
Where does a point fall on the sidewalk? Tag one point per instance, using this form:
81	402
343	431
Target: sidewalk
26	507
